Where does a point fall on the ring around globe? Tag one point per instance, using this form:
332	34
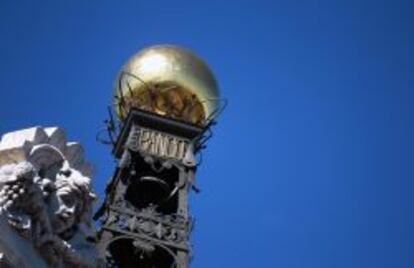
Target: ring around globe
169	81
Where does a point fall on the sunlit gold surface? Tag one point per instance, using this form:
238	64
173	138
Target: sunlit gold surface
169	81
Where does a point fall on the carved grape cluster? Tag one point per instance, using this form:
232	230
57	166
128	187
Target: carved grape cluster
16	184
20	195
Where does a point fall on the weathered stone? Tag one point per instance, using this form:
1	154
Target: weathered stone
45	155
33	136
45	201
57	137
87	169
74	154
15	146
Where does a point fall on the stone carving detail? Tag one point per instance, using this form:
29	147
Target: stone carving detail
46	195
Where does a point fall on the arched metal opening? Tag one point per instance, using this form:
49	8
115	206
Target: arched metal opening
150	188
126	252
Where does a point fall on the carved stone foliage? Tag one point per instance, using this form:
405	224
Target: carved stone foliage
46	196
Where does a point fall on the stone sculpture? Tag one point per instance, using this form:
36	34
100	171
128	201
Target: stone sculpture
45	201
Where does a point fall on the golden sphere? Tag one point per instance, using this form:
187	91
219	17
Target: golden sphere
169	81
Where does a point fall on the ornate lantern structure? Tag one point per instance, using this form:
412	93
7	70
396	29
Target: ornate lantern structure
166	100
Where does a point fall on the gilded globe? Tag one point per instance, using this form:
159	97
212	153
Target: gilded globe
169	81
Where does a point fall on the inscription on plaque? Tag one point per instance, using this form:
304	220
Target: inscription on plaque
159	143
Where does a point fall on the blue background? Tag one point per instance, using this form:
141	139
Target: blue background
312	163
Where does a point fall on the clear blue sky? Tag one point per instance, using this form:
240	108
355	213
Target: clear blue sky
312	164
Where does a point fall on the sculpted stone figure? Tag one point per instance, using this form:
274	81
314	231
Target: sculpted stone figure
46	200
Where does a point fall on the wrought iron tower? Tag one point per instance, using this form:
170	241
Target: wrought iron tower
166	100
